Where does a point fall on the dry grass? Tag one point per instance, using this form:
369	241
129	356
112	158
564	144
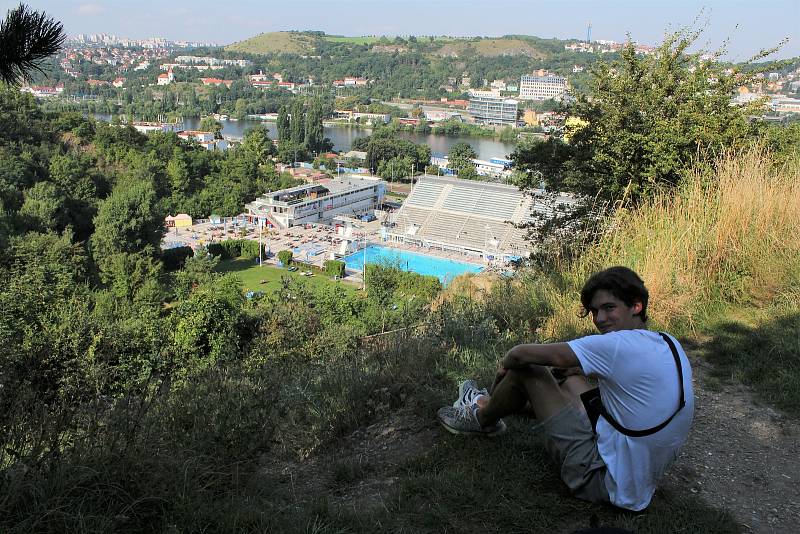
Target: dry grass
490	48
721	242
275	43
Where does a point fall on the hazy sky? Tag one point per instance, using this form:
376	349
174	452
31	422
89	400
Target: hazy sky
750	25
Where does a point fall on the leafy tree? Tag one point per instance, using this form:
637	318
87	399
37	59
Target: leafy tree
257	143
396	168
210	124
468	172
283	124
644	121
44	207
314	138
178	173
129	221
460	157
297	122
26	39
289	152
423	128
206	330
197	270
285	257
381	147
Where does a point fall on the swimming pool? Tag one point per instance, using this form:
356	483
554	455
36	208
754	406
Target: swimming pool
442	268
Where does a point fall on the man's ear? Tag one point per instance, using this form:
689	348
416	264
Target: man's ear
637	307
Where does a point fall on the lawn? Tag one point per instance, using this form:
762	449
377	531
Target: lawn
252	275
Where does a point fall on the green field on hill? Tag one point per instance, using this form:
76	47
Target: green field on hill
252	276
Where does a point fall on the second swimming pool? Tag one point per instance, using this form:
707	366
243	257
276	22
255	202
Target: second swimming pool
442	268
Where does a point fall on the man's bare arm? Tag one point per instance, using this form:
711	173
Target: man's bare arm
552	354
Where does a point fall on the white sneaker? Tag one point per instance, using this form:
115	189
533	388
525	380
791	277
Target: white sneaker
467	393
461	420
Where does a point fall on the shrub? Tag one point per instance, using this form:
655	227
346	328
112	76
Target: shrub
285	257
174	258
234	248
334	268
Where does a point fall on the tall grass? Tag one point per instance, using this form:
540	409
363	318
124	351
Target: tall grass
720	242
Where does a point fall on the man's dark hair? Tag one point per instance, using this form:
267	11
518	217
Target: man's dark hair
621	282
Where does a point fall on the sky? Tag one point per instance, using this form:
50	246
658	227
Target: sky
749	26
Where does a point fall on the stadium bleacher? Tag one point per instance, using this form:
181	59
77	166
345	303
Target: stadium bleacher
468	215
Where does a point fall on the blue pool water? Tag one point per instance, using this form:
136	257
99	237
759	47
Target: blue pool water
442	268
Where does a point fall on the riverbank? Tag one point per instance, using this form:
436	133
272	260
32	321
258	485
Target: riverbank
342	136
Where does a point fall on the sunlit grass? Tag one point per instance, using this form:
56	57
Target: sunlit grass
267	278
720	243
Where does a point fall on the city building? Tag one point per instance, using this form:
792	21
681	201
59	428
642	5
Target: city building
785	105
488	107
147	127
318	202
41	91
542	87
166	78
204	139
216	82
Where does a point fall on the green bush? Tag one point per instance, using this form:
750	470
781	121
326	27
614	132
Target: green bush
174	258
334	268
285	257
234	248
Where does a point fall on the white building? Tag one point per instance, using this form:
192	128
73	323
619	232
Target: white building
319	202
204	139
147	127
542	87
785	105
166	78
488	107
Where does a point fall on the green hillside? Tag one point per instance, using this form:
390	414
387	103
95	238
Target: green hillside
276	43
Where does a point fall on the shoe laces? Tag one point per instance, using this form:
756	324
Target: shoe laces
472	394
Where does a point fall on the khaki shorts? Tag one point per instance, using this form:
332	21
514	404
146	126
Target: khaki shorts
571	443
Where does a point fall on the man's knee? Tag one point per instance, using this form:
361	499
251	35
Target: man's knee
530	373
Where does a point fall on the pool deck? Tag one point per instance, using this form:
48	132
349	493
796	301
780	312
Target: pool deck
319	238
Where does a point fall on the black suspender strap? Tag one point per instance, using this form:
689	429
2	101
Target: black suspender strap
681	403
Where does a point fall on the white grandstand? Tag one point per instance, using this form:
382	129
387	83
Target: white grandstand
469	216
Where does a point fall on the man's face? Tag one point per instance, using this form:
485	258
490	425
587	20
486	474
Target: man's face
610	314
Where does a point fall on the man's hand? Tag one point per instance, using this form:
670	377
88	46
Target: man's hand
560	373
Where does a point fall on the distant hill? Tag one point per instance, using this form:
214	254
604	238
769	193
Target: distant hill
277	43
308	42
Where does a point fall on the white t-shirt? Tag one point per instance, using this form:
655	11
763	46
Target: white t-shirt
638	382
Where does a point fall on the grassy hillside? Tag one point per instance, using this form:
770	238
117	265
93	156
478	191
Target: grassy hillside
304	43
490	48
276	43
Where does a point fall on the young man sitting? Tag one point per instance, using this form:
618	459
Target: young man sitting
644	381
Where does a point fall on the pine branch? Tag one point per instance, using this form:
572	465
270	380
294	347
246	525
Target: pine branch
27	38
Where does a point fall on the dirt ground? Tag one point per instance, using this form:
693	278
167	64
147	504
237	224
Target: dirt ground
743	456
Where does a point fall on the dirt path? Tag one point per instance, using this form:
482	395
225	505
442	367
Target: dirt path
743	456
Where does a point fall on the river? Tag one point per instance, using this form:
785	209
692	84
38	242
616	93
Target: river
342	137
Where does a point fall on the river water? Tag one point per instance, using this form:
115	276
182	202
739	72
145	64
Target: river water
342	137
